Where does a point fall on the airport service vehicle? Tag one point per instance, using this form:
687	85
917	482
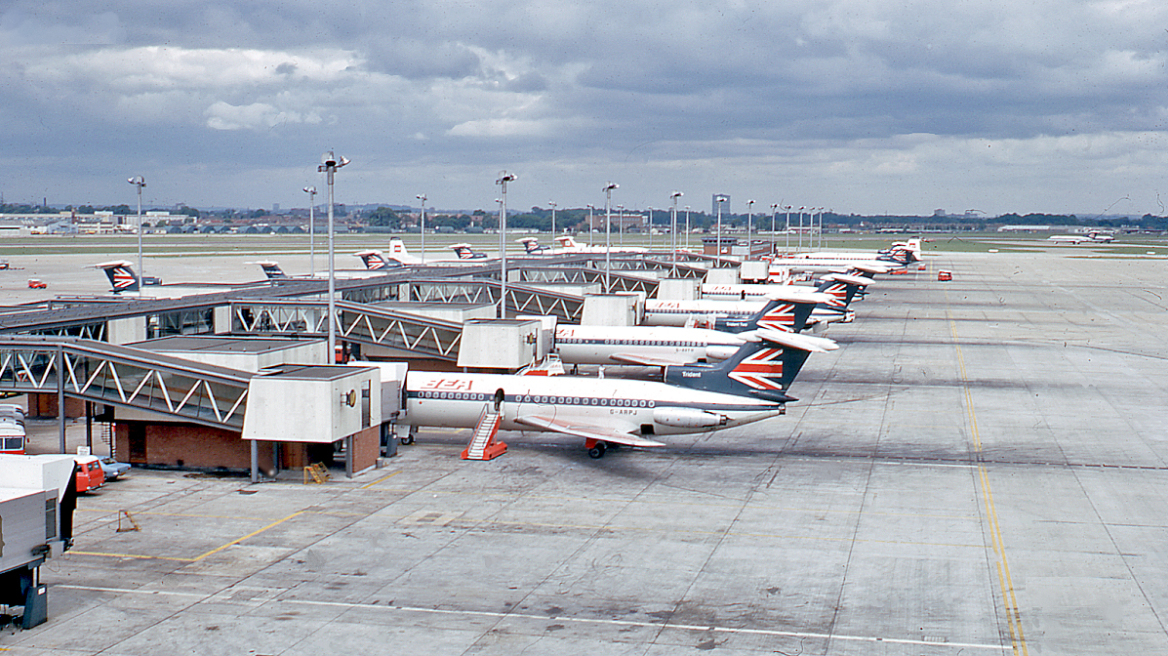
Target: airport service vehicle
37	283
37	500
89	473
944	276
112	468
13	439
123	278
749	387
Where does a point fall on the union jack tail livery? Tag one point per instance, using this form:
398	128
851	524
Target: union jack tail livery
122	277
781	315
531	246
764	367
374	260
465	252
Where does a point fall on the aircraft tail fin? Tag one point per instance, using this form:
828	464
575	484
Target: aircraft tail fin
842	288
531	245
121	276
272	270
765	366
786	314
465	252
374	260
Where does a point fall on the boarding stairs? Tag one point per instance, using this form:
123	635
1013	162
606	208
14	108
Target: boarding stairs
483	445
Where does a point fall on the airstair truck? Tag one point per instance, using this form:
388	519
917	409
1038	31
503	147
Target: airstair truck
37	497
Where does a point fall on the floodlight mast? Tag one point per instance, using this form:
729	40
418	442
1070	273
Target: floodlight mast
608	234
329	163
749	211
553	206
774	213
591	226
311	191
139	182
673	228
719	199
422	197
504	178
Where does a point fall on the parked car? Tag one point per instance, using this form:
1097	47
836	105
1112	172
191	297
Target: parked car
112	468
37	283
89	473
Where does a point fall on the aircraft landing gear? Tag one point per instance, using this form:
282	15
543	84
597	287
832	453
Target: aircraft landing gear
596	448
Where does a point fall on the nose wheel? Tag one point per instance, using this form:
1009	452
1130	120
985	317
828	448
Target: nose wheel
596	448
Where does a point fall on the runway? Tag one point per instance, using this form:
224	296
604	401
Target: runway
981	468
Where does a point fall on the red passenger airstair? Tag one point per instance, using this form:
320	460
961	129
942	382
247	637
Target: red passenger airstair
483	445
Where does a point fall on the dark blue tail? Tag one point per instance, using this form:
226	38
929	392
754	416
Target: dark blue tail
763	368
783	315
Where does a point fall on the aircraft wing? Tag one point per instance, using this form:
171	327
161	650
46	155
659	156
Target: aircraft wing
585	430
647	361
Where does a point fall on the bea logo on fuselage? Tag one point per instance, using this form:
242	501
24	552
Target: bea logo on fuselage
447	385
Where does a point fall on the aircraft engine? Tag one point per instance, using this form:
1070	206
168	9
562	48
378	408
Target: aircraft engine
687	418
715	352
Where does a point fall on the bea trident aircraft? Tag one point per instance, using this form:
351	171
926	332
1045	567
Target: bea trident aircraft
398	256
749	387
568	246
661	346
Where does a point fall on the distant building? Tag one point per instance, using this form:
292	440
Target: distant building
725	202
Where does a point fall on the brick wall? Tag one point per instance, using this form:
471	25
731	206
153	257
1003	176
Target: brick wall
191	446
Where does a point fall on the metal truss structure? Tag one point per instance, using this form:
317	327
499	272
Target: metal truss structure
521	299
365	324
122	376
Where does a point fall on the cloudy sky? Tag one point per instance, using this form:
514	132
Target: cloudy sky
862	106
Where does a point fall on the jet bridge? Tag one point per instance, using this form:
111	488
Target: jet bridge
123	376
356	322
521	299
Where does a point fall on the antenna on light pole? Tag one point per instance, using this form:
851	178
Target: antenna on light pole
329	163
139	182
422	197
311	191
608	233
504	178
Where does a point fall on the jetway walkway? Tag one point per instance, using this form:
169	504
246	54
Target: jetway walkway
521	299
123	376
356	322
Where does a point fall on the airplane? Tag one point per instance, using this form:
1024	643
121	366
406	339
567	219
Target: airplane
272	271
748	387
1092	237
399	256
660	346
843	288
707	313
122	277
569	246
898	256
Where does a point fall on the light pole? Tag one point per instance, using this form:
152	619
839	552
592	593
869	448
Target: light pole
504	178
687	227
139	182
650	211
422	197
553	206
787	232
608	232
329	163
591	226
620	223
749	209
774	213
719	199
673	228
311	191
